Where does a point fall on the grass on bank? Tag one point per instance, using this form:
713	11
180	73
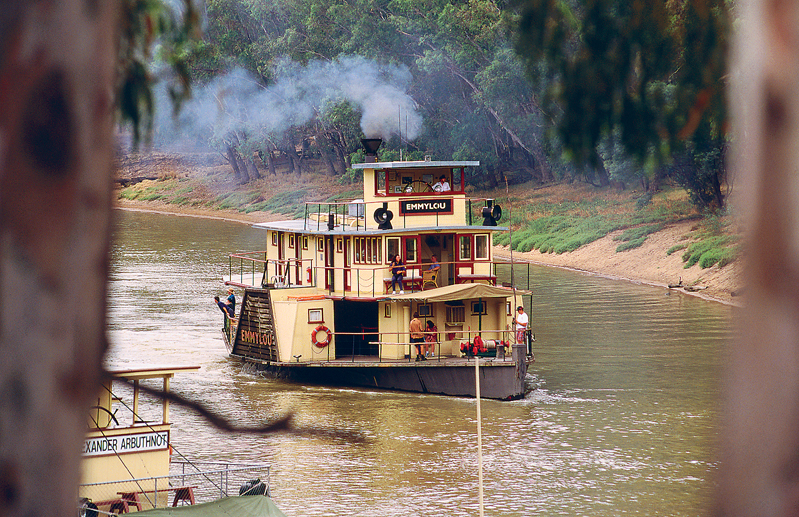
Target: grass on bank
559	223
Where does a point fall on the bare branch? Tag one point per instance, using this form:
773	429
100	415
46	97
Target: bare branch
281	425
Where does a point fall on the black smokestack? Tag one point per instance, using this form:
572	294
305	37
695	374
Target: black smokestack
371	145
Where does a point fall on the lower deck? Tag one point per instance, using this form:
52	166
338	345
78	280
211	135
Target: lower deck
500	378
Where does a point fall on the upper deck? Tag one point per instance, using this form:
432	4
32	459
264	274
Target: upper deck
398	196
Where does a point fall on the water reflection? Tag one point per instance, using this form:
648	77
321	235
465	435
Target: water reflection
620	419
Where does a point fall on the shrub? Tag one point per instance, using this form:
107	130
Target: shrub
676	247
630	244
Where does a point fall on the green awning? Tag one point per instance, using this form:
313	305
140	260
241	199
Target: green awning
238	506
454	292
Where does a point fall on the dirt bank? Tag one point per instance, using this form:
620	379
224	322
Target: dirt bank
648	264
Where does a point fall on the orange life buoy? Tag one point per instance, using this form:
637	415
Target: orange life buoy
316	342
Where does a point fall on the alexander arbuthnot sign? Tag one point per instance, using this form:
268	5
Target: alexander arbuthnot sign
433	206
118	444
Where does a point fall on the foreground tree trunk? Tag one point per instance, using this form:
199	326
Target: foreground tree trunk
760	446
57	63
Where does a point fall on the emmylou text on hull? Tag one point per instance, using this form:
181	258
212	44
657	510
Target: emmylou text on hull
396	290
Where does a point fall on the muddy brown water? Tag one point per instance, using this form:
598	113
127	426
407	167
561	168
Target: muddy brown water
620	419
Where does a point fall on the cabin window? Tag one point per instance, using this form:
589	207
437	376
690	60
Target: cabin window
387	310
456	315
479	308
320	244
481	247
465	247
291	240
340	245
508	310
316	316
392	248
305	243
368	250
411	249
425	311
274	238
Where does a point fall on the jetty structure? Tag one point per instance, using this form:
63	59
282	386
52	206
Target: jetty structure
319	305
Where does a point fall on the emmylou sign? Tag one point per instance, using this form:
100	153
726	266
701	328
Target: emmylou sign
119	444
434	206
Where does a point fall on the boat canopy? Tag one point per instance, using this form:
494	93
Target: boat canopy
237	506
451	293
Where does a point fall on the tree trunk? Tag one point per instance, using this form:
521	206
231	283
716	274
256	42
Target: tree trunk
253	168
600	170
761	437
233	160
339	146
57	71
323	145
270	162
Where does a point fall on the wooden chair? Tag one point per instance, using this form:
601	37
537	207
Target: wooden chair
429	277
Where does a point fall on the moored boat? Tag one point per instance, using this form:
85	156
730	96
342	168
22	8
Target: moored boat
320	306
129	461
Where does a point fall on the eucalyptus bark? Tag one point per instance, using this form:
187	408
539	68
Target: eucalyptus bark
760	441
57	66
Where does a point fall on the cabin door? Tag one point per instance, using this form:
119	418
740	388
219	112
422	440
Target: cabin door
347	268
281	253
297	239
330	261
356	327
464	251
411	252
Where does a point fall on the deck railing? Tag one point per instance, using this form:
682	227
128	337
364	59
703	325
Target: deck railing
253	269
492	339
359	215
204	482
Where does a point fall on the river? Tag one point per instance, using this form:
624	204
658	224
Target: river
621	418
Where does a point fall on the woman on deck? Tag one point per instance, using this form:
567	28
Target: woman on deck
430	339
397	272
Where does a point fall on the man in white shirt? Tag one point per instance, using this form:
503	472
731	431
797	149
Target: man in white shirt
442	185
521	321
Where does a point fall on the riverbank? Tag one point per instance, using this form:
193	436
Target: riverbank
648	264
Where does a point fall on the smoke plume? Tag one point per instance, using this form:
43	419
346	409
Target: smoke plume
239	101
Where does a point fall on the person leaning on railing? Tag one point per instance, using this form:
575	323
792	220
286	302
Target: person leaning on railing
227	310
521	322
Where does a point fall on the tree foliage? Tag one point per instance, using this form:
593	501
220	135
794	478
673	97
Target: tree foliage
649	73
598	90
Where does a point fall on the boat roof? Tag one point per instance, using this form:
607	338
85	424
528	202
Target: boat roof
412	165
451	293
300	226
149	372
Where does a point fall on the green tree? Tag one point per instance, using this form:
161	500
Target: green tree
651	71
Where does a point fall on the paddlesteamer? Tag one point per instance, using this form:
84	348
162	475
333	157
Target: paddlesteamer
319	305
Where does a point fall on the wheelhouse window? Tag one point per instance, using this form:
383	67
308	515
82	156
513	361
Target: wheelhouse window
481	247
457	180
